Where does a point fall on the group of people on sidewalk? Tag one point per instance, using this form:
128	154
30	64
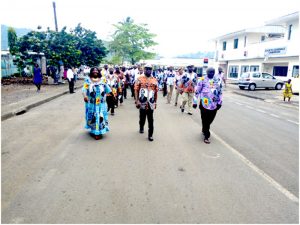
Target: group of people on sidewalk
104	88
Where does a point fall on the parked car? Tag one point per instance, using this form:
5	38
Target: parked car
253	80
295	84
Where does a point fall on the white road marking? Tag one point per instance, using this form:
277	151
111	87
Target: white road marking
249	107
259	110
260	172
293	122
238	103
274	115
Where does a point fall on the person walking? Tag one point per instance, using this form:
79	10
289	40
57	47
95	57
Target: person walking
37	77
170	83
94	92
146	88
209	89
71	79
178	89
114	84
187	84
288	92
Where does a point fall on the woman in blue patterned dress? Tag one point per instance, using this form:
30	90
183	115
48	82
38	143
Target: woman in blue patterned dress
94	93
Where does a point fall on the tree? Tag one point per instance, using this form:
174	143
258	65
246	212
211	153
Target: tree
12	39
80	46
131	41
92	49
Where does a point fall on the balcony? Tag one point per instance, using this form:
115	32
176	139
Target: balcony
257	50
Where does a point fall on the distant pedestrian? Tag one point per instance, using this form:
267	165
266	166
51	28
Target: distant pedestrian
178	89
37	77
146	88
209	89
221	75
187	84
170	81
288	92
94	94
71	79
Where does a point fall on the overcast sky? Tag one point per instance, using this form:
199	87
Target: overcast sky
181	26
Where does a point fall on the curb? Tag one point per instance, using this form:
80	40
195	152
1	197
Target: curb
25	109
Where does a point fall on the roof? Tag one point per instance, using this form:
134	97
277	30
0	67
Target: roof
263	29
283	19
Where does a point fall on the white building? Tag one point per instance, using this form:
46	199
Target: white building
272	48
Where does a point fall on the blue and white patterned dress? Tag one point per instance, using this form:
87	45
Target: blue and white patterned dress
96	108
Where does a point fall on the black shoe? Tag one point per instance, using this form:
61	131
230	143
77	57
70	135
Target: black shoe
182	109
150	138
190	113
175	104
141	131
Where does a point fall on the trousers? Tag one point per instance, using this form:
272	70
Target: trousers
149	114
207	117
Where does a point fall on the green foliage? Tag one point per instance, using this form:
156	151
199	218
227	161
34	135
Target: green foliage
80	46
130	41
12	40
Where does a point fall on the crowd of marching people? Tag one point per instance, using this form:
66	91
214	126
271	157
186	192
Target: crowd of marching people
105	89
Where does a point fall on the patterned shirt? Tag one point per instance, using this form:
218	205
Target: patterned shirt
147	88
210	92
188	82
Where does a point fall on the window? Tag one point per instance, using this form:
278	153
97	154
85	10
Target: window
295	72
244	69
267	76
233	71
290	32
245	41
254	68
263	38
256	75
280	71
224	45
236	43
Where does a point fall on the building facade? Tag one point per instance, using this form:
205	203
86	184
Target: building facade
272	48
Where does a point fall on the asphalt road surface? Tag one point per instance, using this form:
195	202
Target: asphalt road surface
54	172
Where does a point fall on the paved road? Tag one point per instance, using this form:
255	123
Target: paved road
53	172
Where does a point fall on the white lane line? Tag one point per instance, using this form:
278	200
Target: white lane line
274	115
238	103
260	172
293	122
259	110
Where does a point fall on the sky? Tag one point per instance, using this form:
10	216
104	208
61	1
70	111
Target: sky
181	26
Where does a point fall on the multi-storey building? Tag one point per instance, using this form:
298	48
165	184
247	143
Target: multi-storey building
272	48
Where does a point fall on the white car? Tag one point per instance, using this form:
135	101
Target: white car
253	80
295	81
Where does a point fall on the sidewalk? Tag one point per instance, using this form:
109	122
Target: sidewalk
18	99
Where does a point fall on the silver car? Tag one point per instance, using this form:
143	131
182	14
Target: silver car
253	80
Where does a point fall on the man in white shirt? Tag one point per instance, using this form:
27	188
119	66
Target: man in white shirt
70	77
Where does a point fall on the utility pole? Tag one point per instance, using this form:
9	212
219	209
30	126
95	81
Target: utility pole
55	19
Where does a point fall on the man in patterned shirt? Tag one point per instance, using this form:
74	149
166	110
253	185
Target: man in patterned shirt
209	89
187	84
146	88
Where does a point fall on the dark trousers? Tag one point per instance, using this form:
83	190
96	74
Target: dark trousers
132	90
38	86
125	90
71	85
165	91
207	117
110	103
149	114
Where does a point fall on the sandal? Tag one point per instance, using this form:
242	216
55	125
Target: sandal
206	141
